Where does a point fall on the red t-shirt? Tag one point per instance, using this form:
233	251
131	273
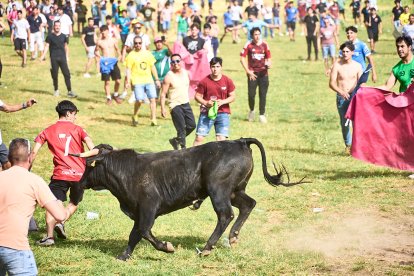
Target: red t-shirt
62	138
256	56
220	89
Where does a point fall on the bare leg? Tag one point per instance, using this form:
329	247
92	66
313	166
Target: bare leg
107	89
153	107
198	140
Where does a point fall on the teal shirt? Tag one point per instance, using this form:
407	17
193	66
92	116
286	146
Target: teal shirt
162	63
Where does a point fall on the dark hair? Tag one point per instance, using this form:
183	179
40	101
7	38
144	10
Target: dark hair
207	26
108	17
19	150
175	55
404	38
347	44
19	11
57	21
216	60
103	28
90	18
64	107
372	9
351	28
254	30
195	25
310	8
137	36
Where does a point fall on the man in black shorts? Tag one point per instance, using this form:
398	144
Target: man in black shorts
58	45
356	11
21	36
374	28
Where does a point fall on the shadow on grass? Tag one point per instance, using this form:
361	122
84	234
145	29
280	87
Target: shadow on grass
116	121
307	150
362	174
38	91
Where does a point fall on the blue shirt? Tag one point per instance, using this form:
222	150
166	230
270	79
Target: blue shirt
227	19
291	14
124	23
360	53
252	24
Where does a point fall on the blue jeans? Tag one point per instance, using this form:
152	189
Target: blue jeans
268	21
21	262
342	106
221	124
143	91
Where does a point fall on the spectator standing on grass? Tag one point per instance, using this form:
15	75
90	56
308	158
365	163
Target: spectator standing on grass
267	18
141	71
360	54
256	60
8	108
194	43
216	91
276	17
236	16
20	191
123	23
334	13
147	11
397	10
182	25
89	39
21	36
166	17
96	13
162	55
108	53
228	24
176	85
36	39
329	42
63	138
341	6
291	15
408	30
356	11
374	28
343	80
112	28
103	11
311	29
253	22
66	27
365	11
57	42
81	10
404	17
251	9
132	10
214	33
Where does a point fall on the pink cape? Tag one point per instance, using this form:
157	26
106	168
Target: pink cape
196	64
382	133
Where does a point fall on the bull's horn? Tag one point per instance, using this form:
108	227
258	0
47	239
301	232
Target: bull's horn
89	153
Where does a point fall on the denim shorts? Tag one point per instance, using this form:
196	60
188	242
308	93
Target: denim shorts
328	51
166	25
17	262
143	91
221	125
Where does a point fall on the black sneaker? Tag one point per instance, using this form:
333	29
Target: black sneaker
60	231
174	143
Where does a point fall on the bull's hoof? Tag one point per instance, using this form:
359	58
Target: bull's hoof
233	241
169	247
123	257
205	253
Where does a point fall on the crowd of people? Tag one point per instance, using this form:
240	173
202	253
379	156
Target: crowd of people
121	39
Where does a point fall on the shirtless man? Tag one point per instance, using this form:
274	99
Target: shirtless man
343	80
109	63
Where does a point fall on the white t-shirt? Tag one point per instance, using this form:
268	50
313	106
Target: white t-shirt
145	41
235	12
20	28
18	6
65	23
44	21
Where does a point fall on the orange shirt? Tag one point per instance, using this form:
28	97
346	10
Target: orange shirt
20	190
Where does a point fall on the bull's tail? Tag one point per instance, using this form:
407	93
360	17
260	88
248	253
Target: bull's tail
274	180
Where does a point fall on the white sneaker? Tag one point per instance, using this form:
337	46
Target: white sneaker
86	75
132	99
411	176
280	34
250	116
56	93
123	95
262	119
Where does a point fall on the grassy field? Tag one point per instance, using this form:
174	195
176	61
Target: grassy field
366	226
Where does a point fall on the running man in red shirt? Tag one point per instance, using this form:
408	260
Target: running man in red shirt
215	88
62	138
255	59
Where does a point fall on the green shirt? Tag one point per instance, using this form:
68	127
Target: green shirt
404	74
162	63
182	24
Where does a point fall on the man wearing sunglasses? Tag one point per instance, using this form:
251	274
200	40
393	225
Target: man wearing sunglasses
141	71
176	84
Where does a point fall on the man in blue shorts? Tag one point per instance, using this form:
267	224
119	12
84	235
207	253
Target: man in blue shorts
216	91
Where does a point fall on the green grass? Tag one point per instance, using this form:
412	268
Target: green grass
366	226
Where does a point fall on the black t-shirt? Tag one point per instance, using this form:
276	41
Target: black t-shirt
374	23
365	13
397	12
147	12
356	5
193	45
310	22
34	23
321	7
196	19
57	44
89	33
252	10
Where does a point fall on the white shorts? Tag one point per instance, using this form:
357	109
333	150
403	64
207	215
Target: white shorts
91	51
38	39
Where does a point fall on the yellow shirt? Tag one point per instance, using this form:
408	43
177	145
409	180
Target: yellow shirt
20	190
140	64
404	18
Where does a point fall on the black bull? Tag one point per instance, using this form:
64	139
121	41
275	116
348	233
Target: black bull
153	184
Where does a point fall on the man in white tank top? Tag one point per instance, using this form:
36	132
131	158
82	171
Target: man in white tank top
176	84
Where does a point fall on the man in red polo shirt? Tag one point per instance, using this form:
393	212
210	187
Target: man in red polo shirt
255	59
62	138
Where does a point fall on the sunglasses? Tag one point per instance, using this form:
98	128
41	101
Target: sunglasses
177	61
137	43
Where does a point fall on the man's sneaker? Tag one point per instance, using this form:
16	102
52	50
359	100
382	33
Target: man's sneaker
117	99
132	98
123	95
72	94
348	150
174	143
46	241
154	123
250	116
262	119
60	231
134	120
87	75
56	93
108	101
411	176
